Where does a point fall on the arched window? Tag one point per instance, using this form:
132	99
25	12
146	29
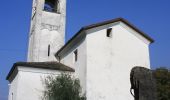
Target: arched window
52	6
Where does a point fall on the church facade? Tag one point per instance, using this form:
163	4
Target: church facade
101	55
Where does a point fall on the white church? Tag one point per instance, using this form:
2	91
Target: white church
101	55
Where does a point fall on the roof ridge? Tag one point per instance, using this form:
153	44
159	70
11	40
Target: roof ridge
104	23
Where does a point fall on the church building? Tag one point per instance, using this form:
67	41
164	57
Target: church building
101	55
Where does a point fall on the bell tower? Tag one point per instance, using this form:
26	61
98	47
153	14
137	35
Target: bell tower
47	30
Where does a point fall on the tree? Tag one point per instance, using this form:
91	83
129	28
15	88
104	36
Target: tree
62	87
162	76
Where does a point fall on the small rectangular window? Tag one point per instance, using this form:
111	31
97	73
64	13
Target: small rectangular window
75	55
109	32
48	50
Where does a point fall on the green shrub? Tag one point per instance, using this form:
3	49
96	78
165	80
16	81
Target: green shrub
62	87
162	76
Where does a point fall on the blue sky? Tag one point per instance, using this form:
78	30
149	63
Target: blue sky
151	16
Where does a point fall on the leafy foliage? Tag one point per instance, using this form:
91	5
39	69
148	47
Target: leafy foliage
62	87
162	76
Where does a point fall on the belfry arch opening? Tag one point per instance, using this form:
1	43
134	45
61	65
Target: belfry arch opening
52	6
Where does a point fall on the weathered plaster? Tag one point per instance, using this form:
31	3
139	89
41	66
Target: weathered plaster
46	28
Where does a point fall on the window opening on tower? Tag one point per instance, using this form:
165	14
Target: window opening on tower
52	6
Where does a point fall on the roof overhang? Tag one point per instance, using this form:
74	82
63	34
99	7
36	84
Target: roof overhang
101	24
40	65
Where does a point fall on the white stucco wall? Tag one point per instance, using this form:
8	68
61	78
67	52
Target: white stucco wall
80	64
13	87
47	28
28	85
52	39
110	60
106	62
